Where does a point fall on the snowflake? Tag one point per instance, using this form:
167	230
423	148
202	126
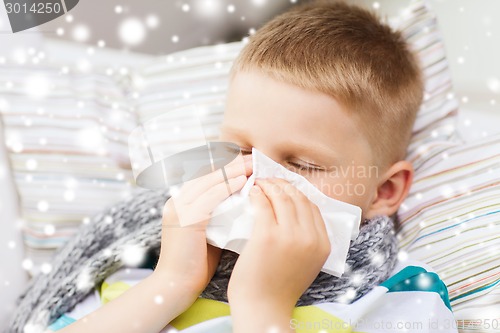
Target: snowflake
402	256
259	2
133	255
84	280
31	164
27	264
37	86
424	281
49	229
45	268
90	138
494	85
377	258
43	205
208	8
357	279
132	31
152	21
80	33
32	328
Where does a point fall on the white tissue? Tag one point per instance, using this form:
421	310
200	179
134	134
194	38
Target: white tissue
232	221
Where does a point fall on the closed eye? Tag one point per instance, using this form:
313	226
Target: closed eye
305	167
300	166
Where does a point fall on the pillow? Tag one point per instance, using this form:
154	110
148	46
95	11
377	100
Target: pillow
451	220
451	214
67	151
435	125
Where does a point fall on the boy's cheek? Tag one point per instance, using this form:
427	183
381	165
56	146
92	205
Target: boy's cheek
354	192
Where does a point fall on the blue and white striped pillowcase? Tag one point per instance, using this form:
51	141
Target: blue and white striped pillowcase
451	221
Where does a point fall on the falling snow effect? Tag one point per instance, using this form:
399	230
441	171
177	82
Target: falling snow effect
152	21
158	299
133	255
84	280
81	33
133	31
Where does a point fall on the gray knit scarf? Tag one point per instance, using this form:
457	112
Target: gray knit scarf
95	251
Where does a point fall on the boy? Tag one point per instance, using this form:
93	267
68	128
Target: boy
323	89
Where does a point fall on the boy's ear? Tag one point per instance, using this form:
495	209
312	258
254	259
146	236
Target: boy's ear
392	190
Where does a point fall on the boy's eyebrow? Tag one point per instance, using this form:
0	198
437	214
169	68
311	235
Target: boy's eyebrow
320	150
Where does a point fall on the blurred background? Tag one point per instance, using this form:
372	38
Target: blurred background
116	35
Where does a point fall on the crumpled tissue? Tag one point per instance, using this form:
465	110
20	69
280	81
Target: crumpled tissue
231	223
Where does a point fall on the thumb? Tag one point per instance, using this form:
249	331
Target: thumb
213	257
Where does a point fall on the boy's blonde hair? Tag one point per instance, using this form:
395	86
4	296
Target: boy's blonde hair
346	52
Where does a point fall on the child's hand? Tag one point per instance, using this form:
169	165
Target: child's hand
185	266
186	259
288	247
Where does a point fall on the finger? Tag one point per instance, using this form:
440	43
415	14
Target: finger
302	203
282	204
241	165
198	213
262	210
319	222
207	201
245	161
213	258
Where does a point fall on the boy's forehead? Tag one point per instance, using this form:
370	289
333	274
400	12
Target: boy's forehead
255	98
254	93
262	110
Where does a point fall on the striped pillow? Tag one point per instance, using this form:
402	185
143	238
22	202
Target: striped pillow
451	221
434	128
66	133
